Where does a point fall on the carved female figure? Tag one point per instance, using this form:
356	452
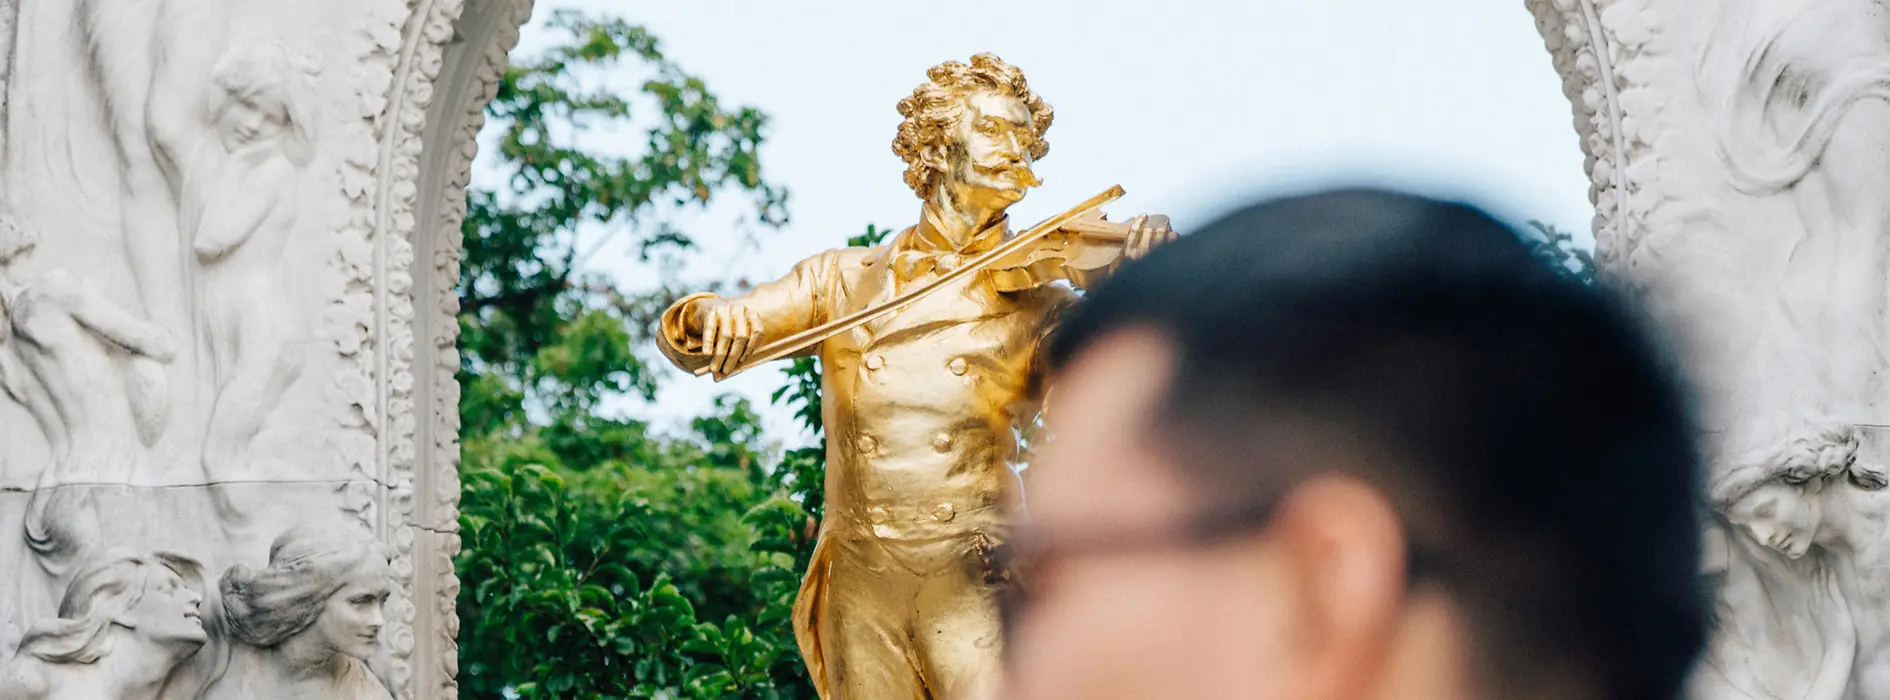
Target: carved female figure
306	625
1807	578
1783	627
127	622
239	208
145	63
60	341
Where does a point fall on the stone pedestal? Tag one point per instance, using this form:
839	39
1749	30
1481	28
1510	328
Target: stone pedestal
1739	150
229	234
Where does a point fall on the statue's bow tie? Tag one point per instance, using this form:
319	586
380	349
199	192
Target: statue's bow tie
910	262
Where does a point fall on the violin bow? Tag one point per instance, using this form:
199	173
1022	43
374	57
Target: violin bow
800	341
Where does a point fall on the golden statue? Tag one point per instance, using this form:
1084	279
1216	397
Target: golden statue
928	346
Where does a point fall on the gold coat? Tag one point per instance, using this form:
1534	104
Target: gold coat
920	407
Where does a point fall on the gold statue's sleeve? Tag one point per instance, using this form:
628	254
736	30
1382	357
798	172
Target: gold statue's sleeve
787	306
1028	412
1057	302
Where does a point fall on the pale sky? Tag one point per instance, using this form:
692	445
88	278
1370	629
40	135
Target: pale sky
1193	107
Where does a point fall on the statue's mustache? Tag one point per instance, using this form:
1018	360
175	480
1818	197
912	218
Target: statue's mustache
1025	175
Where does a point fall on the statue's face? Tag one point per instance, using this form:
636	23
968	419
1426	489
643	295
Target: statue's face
1781	516
990	159
169	610
251	118
352	620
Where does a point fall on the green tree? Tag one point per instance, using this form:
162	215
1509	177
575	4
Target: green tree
602	558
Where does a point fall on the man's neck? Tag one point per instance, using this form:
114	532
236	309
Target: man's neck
1426	658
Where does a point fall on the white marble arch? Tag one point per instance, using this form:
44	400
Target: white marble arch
367	429
470	66
1737	151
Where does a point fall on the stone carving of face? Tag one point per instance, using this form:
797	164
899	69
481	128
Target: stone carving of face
261	96
170	609
255	118
351	620
325	587
152	596
990	157
1781	515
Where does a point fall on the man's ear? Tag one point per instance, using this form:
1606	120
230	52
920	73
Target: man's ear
1346	548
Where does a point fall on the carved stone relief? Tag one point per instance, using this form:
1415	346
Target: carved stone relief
1737	150
307	625
210	212
126	625
239	210
139	626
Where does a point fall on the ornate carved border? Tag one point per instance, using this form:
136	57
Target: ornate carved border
454	50
463	54
1606	52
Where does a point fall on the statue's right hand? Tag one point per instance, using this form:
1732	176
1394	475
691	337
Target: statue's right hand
729	332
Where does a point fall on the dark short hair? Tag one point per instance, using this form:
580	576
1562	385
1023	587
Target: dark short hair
1531	433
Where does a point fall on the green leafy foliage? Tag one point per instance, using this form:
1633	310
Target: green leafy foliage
612	563
1557	248
534	328
603	558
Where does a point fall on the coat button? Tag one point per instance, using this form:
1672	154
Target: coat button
876	515
942	442
944	512
874	362
866	444
958	366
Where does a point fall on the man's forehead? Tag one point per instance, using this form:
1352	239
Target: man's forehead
998	104
1100	458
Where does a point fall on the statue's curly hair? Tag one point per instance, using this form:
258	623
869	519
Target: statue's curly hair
935	107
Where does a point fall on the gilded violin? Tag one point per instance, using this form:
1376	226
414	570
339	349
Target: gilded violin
1077	246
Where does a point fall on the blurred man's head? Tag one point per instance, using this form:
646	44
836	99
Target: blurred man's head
1358	445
